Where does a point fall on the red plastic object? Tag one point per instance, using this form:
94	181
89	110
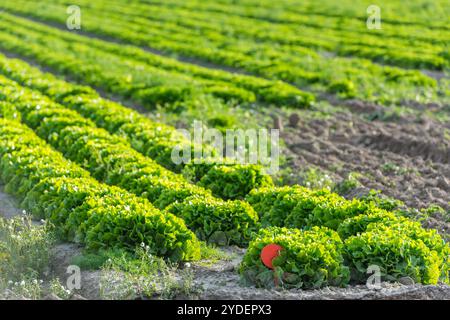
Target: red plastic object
270	252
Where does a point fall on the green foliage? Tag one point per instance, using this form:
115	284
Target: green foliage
262	199
358	224
100	216
141	275
110	159
326	209
154	140
273	205
315	178
234	182
400	248
104	217
377	199
59	290
348	184
228	93
309	259
8	111
28	287
89	261
82	209
217	221
162	95
288	96
95	259
345	88
275	51
392	168
24	248
146	78
211	254
195	170
300	207
222	122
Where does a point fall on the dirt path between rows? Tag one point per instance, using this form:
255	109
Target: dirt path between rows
221	281
8	205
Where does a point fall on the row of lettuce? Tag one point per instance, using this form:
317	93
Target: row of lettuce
394	13
152	139
82	209
98	215
395	51
341	240
296	65
338	241
306	14
146	78
110	159
212	21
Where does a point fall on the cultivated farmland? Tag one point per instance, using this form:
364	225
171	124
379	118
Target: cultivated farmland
224	149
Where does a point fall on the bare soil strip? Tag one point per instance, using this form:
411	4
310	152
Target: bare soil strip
8	205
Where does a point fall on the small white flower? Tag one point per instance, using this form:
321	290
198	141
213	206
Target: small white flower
22	283
24	212
142	245
187	264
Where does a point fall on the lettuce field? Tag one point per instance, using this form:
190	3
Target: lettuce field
226	149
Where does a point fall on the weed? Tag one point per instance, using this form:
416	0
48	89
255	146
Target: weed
348	184
25	248
24	257
392	168
211	254
143	276
95	260
315	178
59	290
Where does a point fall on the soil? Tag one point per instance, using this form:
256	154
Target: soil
223	283
8	205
